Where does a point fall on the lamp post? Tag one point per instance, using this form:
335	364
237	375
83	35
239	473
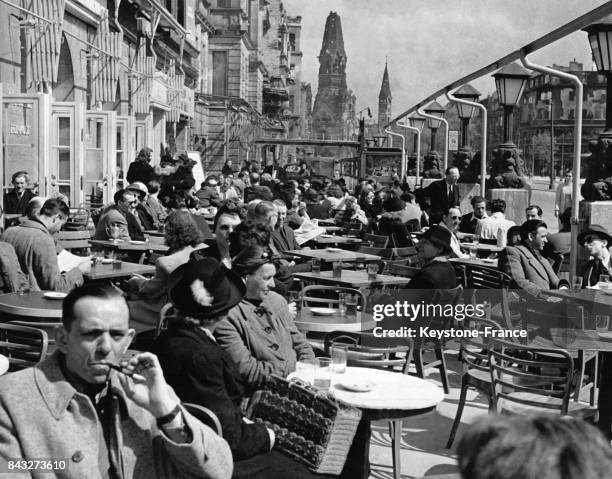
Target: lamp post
415	123
434	109
465	111
510	82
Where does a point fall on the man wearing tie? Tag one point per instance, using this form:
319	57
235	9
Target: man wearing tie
443	194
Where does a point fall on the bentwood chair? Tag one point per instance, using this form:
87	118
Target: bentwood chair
205	416
22	345
522	383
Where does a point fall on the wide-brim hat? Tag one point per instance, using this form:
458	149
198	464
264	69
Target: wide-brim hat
393	204
205	289
598	230
439	236
138	186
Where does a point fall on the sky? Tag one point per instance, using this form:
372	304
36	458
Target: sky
431	43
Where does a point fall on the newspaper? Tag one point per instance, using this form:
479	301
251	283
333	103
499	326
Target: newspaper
307	231
67	261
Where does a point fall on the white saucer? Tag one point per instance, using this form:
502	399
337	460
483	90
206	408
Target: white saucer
333	250
137	242
356	385
323	311
54	295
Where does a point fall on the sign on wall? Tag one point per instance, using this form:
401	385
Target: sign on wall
453	140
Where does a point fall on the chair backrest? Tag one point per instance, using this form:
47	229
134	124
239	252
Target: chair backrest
73	240
78	219
329	296
395	269
165	313
378	241
530	380
22	345
491	285
205	416
384	253
474	351
47	327
363	350
409	253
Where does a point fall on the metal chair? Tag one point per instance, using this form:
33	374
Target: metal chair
378	241
75	240
545	386
329	296
22	345
47	327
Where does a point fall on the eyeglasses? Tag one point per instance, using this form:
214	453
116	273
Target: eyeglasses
455	217
133	203
224	227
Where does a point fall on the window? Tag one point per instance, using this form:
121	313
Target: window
292	42
224	3
219	80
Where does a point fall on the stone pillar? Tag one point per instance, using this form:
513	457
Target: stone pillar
516	201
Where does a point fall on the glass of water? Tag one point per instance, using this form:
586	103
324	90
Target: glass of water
338	358
322	374
602	323
316	265
342	304
577	283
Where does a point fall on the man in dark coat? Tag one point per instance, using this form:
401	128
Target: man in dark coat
469	221
257	191
443	194
16	200
179	182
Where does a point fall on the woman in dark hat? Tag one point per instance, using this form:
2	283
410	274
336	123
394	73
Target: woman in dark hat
393	223
259	333
434	250
201	372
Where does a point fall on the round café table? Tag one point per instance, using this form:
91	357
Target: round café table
410	396
30	305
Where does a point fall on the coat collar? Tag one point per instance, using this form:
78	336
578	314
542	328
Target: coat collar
55	389
534	261
35	224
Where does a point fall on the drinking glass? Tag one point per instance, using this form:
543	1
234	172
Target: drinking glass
337	269
476	240
316	265
602	323
296	297
473	253
322	374
372	271
342	304
604	281
338	358
305	370
350	300
577	283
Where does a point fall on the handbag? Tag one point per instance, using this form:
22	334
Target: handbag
311	427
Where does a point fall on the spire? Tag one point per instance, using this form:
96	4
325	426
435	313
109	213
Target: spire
385	88
333	42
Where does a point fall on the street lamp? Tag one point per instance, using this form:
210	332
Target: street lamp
510	82
469	93
435	110
600	39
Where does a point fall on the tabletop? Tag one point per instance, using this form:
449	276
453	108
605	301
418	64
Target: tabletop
308	322
353	279
154	233
4	364
106	271
331	229
409	392
590	296
333	254
31	304
326	222
491	248
336	239
131	245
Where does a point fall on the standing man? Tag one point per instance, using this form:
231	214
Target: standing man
469	221
35	248
16	200
102	422
443	194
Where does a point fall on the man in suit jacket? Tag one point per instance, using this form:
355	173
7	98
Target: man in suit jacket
443	194
525	264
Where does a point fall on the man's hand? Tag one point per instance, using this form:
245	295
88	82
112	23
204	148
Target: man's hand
147	387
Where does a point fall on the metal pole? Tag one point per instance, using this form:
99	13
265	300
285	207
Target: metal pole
427	115
552	144
403	164
577	151
483	146
417	150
